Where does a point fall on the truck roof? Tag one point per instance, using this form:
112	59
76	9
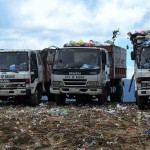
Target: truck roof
106	47
110	47
84	47
16	50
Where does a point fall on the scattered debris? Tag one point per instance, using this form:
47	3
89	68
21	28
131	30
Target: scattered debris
74	127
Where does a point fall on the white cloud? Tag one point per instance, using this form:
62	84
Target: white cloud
74	20
37	23
75	16
53	14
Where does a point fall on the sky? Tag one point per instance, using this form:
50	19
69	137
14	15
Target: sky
37	24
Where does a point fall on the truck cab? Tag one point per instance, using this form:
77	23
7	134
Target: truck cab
141	57
21	75
142	75
78	71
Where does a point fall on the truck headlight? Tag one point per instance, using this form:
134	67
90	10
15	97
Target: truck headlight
92	83
57	83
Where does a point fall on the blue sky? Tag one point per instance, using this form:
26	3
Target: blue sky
37	24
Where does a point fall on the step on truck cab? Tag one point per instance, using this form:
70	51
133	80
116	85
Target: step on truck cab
21	75
88	70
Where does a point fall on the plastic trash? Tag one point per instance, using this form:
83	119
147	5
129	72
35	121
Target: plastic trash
148	132
58	112
144	120
12	67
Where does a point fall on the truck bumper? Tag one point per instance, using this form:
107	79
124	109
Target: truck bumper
15	92
143	92
89	91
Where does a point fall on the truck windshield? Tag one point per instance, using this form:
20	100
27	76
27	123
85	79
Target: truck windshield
145	59
14	61
77	58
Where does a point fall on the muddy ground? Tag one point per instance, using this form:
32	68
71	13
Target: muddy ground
112	126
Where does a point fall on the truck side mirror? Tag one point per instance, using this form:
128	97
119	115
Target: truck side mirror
132	55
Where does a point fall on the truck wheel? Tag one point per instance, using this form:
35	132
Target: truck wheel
101	99
60	99
112	97
106	91
35	99
136	100
51	97
119	94
141	102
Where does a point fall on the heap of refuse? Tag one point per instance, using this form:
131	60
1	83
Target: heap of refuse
91	43
140	38
74	127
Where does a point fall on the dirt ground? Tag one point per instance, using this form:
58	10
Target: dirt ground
112	126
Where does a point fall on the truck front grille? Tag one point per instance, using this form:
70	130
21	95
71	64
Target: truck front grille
74	82
145	79
145	85
12	86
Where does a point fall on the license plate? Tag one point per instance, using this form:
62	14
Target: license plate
4	92
74	90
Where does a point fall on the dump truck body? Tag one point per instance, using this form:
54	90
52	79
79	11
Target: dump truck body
85	72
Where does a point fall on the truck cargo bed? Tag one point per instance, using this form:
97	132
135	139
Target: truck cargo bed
117	58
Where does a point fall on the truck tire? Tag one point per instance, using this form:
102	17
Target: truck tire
47	90
112	97
51	97
60	99
142	102
106	91
119	94
35	99
101	99
136	100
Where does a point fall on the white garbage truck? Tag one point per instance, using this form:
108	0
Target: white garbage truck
23	75
88	70
141	57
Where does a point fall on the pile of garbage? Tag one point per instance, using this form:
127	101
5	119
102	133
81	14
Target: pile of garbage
140	38
74	127
91	43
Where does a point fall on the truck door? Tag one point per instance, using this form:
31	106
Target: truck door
34	67
40	67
